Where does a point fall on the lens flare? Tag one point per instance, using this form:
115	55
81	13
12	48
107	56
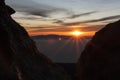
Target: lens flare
76	33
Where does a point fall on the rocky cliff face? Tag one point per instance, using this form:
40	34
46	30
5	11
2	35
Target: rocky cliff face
19	57
101	58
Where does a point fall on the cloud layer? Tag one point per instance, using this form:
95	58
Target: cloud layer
81	15
103	19
88	21
64	29
34	8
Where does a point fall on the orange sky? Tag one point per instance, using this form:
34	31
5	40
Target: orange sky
61	30
60	33
57	32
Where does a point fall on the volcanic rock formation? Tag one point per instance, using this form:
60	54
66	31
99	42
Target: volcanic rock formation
100	60
19	57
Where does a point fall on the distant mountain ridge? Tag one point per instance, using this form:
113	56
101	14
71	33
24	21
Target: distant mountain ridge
51	36
57	37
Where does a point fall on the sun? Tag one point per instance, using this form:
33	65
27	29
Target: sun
76	33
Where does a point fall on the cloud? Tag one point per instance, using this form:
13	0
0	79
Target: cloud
103	19
91	28
58	21
71	24
88	21
33	8
29	18
67	24
61	22
72	16
81	15
44	12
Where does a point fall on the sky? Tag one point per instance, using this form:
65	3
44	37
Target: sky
42	17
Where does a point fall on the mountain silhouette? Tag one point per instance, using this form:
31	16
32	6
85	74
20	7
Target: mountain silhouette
51	36
100	59
19	57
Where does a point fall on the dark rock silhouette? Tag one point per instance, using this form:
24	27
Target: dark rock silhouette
100	59
19	57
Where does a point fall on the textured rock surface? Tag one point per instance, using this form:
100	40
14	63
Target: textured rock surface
19	57
101	58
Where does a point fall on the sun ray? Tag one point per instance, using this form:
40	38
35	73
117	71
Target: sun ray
61	47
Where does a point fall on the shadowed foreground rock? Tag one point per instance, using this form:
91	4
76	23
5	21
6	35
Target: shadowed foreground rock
101	58
19	57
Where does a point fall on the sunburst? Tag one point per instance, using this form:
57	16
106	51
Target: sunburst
76	33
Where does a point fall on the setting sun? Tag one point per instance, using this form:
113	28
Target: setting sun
76	33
